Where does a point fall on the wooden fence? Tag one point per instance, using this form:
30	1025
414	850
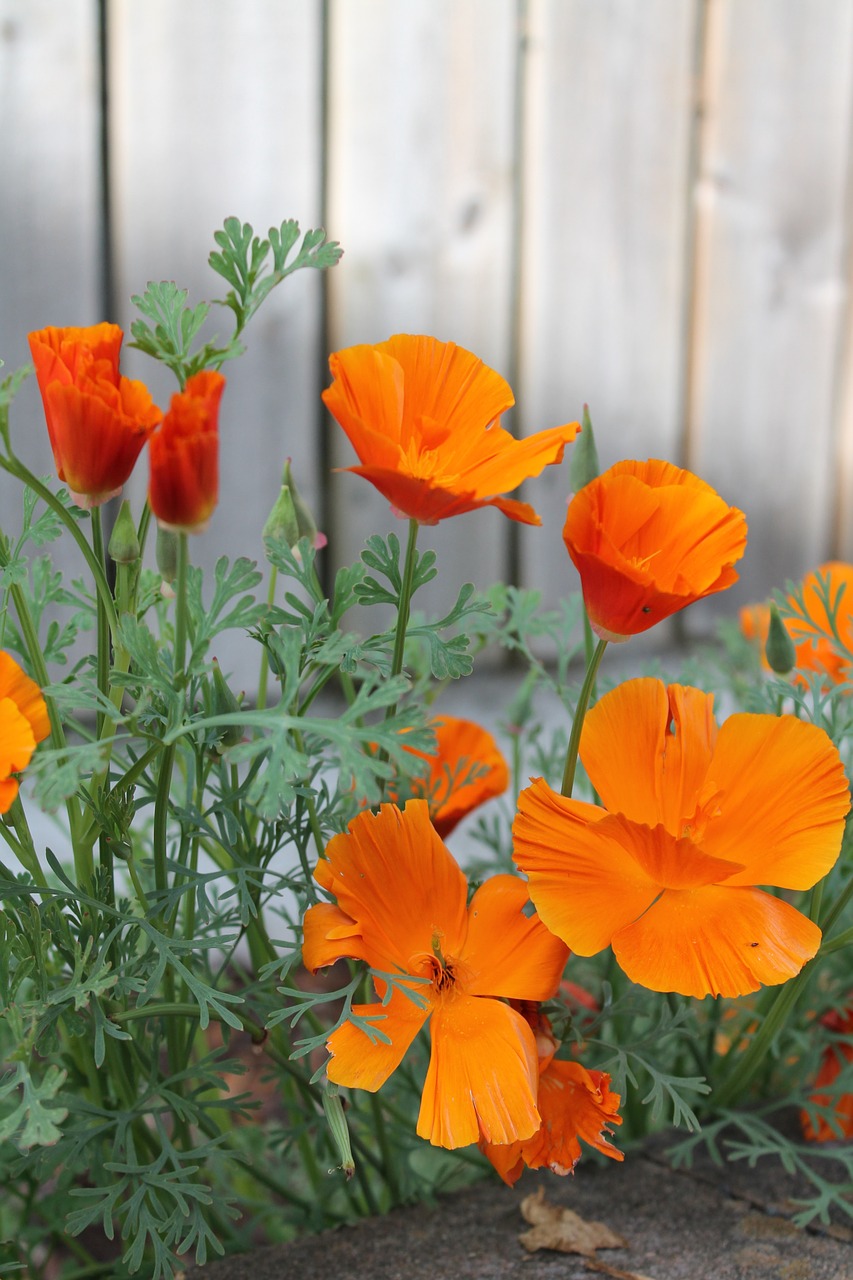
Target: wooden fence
640	204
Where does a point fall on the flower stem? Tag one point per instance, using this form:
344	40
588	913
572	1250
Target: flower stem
580	712
754	1057
405	605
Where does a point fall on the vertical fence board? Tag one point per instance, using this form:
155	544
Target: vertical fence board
216	112
49	200
607	147
771	276
420	195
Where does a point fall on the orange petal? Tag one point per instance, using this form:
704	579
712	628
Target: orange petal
393	876
360	1062
460	746
783	798
509	953
26	695
328	934
584	878
716	941
482	1074
17	744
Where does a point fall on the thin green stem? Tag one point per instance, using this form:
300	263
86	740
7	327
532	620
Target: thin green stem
405	605
754	1057
580	712
263	674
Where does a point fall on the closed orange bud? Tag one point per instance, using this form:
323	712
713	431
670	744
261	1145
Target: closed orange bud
184	485
97	419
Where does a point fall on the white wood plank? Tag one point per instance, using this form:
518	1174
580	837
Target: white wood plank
771	283
217	112
420	195
607	148
49	200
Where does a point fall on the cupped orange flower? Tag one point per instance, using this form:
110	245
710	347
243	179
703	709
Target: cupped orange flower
466	770
23	724
97	419
693	817
573	1102
422	415
184	486
401	906
647	539
837	1056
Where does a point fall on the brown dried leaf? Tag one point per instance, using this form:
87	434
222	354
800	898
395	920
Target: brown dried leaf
556	1228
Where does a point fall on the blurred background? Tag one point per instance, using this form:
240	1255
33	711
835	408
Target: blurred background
644	205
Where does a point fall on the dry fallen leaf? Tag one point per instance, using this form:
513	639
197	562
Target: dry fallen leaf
563	1230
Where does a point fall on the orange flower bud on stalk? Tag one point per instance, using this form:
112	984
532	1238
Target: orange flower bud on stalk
97	420
647	539
184	455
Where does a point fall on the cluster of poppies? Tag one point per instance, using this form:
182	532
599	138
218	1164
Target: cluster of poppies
99	421
691	817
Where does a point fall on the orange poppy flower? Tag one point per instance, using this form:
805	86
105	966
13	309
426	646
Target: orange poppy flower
422	415
836	1057
23	723
184	454
460	746
692	818
574	1103
648	539
97	419
401	907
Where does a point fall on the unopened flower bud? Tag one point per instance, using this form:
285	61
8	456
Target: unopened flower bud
780	650
124	544
282	525
166	552
584	464
305	521
224	703
337	1122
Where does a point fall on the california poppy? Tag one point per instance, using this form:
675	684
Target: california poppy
184	454
827	596
422	415
401	906
836	1057
97	420
692	818
574	1103
23	724
647	539
464	750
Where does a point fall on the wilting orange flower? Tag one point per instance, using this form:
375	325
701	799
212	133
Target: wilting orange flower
648	539
574	1103
692	818
461	745
817	649
401	906
184	485
23	723
422	415
836	1057
97	419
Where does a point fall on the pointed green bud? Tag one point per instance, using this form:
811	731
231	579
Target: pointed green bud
584	464
224	703
166	552
780	650
282	525
519	710
124	544
337	1122
305	521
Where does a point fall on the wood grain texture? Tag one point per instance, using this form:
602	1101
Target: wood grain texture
771	284
421	196
607	152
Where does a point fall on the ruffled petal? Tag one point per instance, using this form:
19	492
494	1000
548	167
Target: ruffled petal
361	1062
26	695
509	953
328	934
394	877
782	800
716	941
482	1074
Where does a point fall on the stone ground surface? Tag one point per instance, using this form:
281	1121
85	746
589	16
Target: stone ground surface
707	1223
